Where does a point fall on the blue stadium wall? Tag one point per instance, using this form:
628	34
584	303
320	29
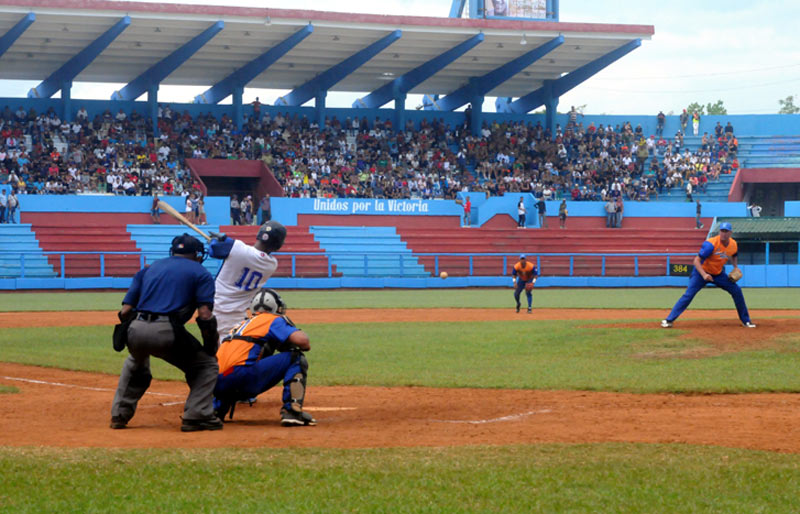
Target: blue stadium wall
286	210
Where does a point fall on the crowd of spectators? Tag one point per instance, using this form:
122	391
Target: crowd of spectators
117	154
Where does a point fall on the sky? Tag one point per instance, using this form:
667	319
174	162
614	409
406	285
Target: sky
743	52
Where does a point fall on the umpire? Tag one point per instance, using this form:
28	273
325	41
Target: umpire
161	299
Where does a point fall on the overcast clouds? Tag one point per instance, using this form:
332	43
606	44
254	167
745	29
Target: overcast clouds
746	53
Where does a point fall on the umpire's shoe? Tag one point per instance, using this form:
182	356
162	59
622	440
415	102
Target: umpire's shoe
196	425
290	418
118	423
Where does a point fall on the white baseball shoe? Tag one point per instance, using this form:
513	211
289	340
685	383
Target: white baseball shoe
749	325
666	324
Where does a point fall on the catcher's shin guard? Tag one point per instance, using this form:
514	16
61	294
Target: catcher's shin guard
297	385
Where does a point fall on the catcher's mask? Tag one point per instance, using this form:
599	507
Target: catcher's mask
272	234
267	300
188	245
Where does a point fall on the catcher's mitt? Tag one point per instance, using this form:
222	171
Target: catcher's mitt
735	275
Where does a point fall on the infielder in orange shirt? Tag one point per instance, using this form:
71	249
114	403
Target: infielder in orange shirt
525	274
709	266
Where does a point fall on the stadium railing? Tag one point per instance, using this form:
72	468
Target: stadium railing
387	265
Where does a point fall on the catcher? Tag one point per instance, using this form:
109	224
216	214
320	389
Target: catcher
524	277
709	266
247	366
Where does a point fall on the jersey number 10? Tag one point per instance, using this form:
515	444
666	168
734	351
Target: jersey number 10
249	279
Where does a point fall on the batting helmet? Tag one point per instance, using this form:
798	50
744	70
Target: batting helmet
185	245
267	300
272	234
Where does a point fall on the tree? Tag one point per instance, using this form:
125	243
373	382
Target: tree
716	108
694	106
788	106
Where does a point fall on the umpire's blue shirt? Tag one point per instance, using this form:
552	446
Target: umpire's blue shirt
169	285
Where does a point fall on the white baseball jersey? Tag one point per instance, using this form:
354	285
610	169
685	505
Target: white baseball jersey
241	275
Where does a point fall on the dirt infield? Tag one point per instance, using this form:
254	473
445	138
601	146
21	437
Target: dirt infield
71	409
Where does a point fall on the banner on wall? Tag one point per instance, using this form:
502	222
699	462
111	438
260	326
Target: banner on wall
536	9
286	210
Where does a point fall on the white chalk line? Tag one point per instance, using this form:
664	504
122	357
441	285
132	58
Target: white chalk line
510	417
87	388
164	404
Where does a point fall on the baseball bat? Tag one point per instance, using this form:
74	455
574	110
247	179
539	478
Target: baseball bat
178	216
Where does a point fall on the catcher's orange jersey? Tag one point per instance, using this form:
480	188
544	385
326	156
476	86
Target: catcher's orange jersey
716	255
238	352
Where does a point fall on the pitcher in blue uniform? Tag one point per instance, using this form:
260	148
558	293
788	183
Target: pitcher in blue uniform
247	366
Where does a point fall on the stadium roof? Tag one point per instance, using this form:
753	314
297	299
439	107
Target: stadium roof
63	28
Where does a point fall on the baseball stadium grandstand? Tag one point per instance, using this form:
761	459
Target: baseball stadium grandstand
374	195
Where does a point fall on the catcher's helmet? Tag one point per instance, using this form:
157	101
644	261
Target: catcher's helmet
185	245
272	234
267	300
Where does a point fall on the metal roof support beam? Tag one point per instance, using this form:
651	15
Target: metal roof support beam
238	92
152	105
66	100
15	32
319	104
159	71
69	70
418	75
399	110
476	114
253	69
457	8
540	97
332	76
494	78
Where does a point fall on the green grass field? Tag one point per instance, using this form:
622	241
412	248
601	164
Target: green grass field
576	355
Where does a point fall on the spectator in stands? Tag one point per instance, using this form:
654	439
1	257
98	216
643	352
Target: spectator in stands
3	205
755	210
155	213
562	214
619	212
467	211
698	212
13	204
541	208
684	120
521	212
695	122
235	210
264	210
189	209
661	118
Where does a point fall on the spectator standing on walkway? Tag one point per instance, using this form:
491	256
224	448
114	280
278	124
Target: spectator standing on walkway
3	205
619	212
265	210
696	122
541	206
611	210
13	203
562	214
699	223
521	212
684	119
660	119
235	210
467	211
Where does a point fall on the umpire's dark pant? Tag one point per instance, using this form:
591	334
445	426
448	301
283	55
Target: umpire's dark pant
157	338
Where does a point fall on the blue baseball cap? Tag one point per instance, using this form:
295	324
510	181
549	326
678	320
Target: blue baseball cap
522	256
725	226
